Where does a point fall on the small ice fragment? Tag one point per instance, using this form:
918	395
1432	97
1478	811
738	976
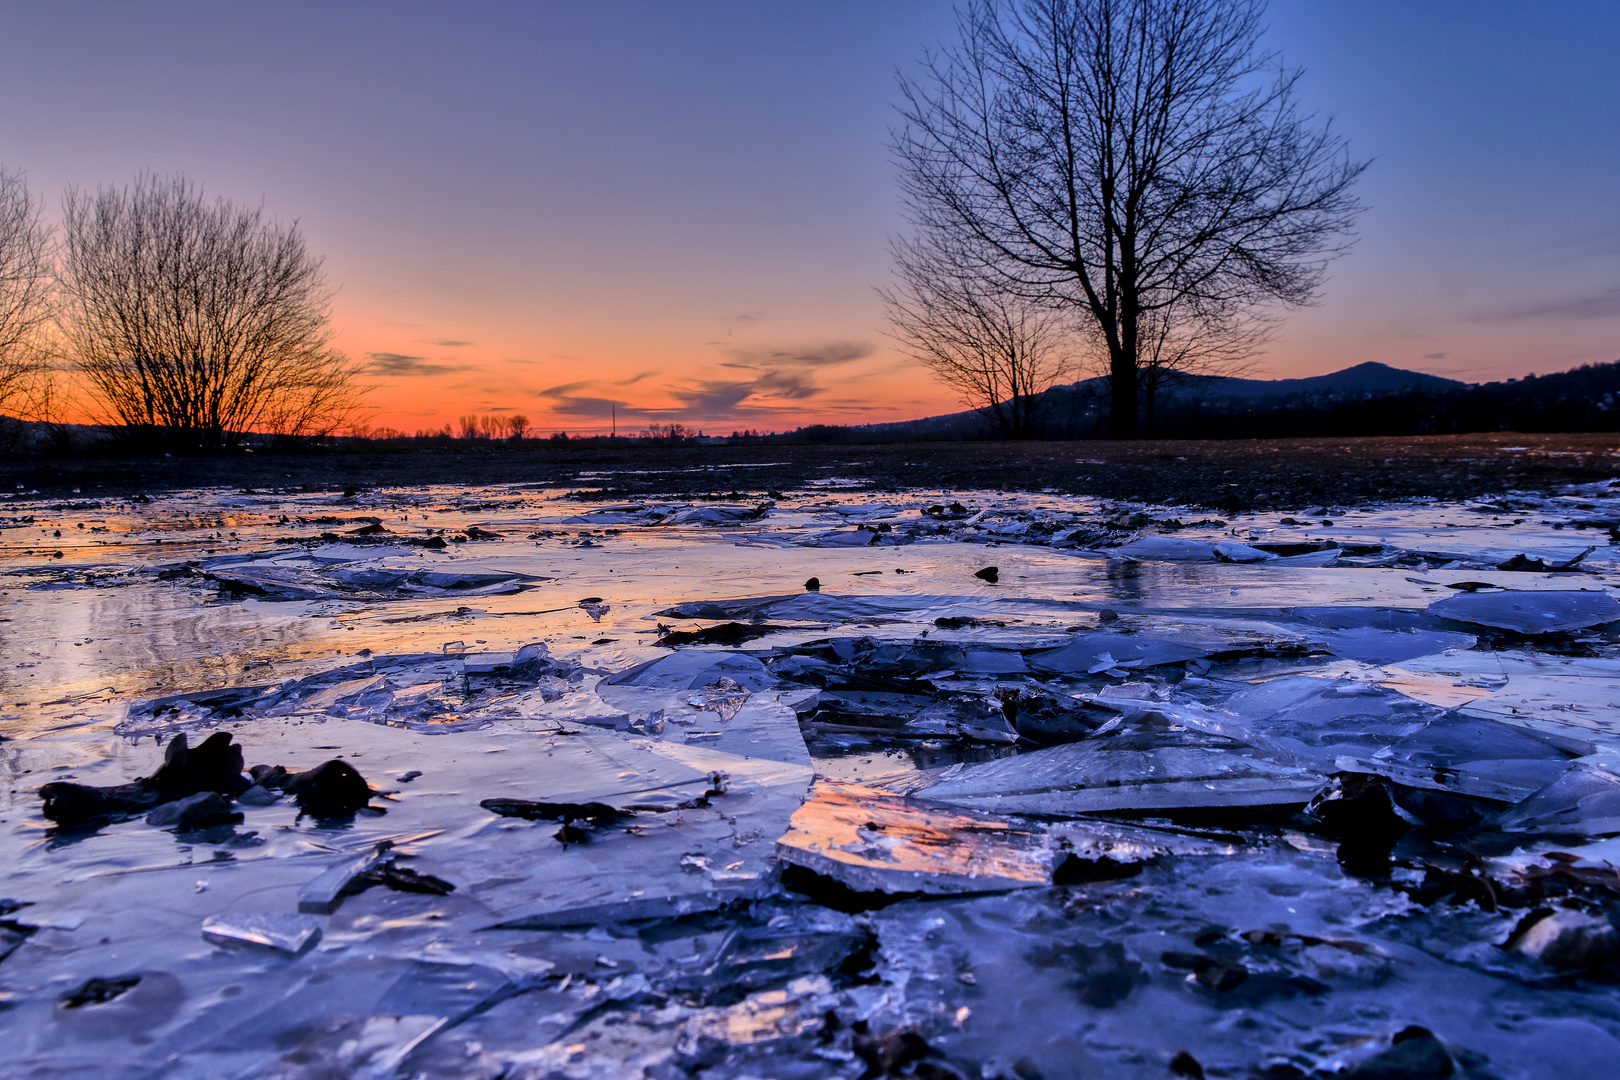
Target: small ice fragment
291	934
724	696
98	991
325	892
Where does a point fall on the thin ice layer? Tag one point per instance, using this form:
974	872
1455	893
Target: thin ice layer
1093	776
1530	612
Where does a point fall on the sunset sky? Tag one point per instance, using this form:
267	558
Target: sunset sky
681	207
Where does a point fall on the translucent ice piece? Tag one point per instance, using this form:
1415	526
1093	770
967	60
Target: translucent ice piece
1091	776
291	934
1530	612
1584	801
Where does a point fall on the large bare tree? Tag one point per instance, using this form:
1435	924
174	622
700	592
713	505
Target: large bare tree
1142	162
197	323
999	351
25	288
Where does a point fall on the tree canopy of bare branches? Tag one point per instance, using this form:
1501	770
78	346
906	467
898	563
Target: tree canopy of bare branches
999	351
25	286
196	323
1141	162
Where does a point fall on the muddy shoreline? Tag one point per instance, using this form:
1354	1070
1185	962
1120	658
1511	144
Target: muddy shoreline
1244	474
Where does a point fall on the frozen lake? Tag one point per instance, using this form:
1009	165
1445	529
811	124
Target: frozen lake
841	783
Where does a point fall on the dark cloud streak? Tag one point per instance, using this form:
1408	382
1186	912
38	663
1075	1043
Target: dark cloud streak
821	356
398	365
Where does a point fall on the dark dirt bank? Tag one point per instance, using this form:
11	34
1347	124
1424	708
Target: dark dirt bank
1258	474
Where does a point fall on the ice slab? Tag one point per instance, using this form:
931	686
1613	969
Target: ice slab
1532	612
1102	652
758	724
1375	646
872	841
1172	549
312	577
692	669
1583	801
1340	725
290	934
1090	777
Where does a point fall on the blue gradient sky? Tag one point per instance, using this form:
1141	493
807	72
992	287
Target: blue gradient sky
681	207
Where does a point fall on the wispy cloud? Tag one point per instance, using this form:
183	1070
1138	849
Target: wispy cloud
1435	356
1600	305
719	397
398	365
568	400
759	384
449	344
817	356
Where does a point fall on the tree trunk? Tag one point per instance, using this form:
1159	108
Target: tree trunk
1122	376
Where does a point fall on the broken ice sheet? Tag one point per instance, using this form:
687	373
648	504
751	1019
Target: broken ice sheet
955	972
1338	725
1530	612
290	934
1087	653
1583	801
1372	645
1125	772
872	841
1172	549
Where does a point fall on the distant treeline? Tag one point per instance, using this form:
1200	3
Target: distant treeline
1585	399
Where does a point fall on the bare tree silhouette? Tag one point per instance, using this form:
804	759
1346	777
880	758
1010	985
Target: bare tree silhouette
195	324
1133	161
25	289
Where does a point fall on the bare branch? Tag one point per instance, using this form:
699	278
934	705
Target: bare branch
1000	352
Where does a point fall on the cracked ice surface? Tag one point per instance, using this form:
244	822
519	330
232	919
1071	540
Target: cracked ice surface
1280	795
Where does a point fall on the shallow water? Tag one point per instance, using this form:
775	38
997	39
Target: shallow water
1196	700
